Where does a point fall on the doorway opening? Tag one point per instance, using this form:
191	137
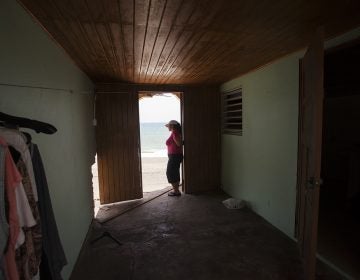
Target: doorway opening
339	208
95	186
155	110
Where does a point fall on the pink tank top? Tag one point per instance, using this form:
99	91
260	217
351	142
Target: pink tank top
171	145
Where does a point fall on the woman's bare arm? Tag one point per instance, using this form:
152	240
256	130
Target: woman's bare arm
177	139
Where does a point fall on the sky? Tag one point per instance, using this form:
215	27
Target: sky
159	109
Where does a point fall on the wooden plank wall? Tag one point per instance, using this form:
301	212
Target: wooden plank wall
202	134
118	146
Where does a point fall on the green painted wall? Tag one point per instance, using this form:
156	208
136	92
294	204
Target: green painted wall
30	58
260	166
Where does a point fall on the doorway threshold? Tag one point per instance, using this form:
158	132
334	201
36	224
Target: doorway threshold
111	211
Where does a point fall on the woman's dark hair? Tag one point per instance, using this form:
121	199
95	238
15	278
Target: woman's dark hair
177	127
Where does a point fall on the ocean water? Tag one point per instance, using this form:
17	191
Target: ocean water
153	137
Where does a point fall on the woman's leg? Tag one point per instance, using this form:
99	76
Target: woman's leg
176	187
173	172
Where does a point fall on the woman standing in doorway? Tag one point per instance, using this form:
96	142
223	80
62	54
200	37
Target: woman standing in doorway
175	153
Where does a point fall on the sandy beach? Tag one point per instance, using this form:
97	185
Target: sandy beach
154	173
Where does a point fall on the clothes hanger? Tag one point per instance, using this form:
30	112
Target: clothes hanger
11	121
28	137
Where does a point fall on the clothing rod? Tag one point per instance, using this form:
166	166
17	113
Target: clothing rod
46	88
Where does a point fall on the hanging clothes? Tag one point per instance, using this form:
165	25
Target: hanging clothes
4	226
26	219
30	244
12	181
28	256
16	139
53	259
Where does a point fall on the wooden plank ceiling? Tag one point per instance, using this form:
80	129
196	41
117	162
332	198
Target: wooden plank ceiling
185	41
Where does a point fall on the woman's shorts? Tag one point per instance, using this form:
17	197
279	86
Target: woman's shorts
173	168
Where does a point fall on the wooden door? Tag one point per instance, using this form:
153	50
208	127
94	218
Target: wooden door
202	149
311	112
118	146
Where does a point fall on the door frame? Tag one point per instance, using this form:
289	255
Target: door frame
180	95
193	95
299	192
300	119
330	50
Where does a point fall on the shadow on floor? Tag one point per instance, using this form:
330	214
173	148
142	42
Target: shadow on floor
188	237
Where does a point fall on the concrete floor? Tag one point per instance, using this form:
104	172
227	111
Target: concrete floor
188	237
